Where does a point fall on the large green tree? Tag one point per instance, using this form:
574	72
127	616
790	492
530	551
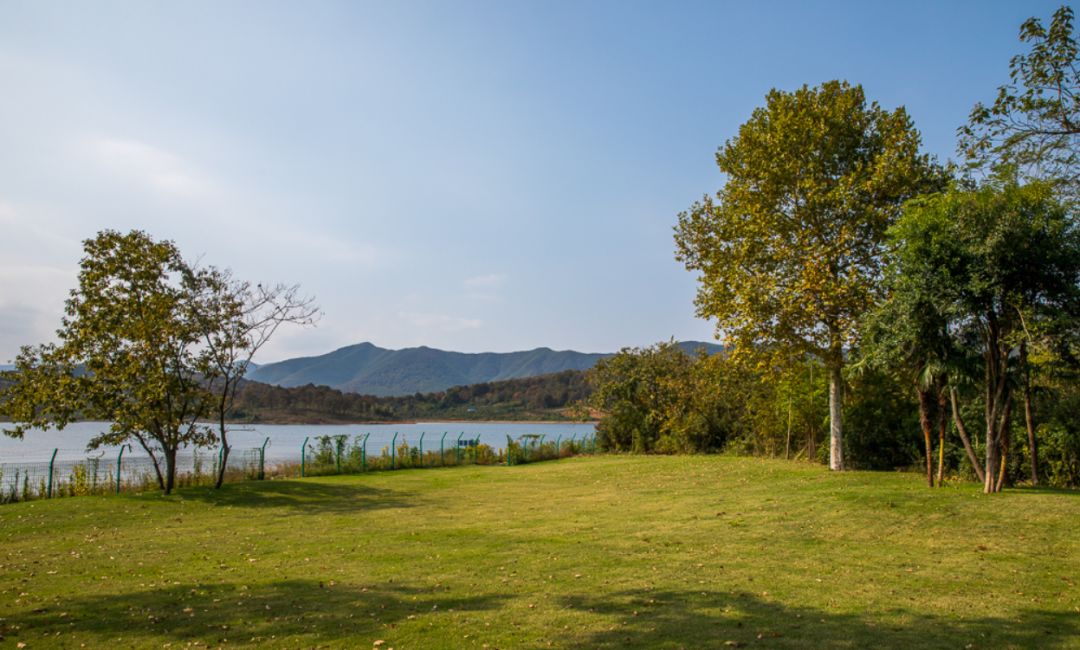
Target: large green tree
790	249
151	344
1001	265
127	354
1034	122
907	335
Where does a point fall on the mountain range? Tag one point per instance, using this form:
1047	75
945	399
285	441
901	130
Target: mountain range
368	369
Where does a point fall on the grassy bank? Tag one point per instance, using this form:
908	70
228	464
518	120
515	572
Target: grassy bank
587	552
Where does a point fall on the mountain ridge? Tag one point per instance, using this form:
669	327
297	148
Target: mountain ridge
368	369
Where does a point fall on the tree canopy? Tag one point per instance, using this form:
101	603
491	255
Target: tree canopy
1034	122
790	249
985	270
149	343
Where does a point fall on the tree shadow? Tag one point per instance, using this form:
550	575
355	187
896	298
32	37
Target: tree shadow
712	619
1042	489
302	613
303	497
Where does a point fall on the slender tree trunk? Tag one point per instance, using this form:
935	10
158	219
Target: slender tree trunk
787	443
1029	415
962	431
927	429
170	470
153	460
836	425
998	407
225	449
942	421
1005	436
991	465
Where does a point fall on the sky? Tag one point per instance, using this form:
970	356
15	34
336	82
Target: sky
471	176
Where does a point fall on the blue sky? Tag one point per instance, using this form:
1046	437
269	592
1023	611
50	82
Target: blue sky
474	176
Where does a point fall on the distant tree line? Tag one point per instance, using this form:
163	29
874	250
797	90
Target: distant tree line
543	397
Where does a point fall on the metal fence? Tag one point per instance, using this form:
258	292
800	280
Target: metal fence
129	470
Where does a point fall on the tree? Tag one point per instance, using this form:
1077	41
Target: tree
1004	260
236	319
151	345
1034	122
908	332
126	354
635	389
790	250
660	399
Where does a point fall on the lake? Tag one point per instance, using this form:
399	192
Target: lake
285	440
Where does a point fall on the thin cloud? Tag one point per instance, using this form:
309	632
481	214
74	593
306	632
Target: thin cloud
488	281
148	165
440	322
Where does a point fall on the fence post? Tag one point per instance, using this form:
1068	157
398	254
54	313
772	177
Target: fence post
119	459
363	453
421	449
262	459
393	452
457	455
48	490
303	457
442	452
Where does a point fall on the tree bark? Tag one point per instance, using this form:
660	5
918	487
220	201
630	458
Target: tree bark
787	443
836	425
1029	416
1005	436
942	418
225	448
170	470
962	430
925	406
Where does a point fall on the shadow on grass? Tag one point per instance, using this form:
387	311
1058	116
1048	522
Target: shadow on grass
1041	489
298	613
307	497
710	619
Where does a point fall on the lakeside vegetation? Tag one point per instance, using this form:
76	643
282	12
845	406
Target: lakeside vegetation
545	397
602	552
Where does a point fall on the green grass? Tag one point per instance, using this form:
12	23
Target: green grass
605	552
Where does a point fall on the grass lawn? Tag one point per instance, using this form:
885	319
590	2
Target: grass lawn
603	552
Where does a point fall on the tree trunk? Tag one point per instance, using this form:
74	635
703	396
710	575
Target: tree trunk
927	429
836	425
170	470
1029	416
942	418
787	443
990	470
1005	436
225	449
962	430
153	460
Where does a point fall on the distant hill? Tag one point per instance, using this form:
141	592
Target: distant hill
370	370
546	397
